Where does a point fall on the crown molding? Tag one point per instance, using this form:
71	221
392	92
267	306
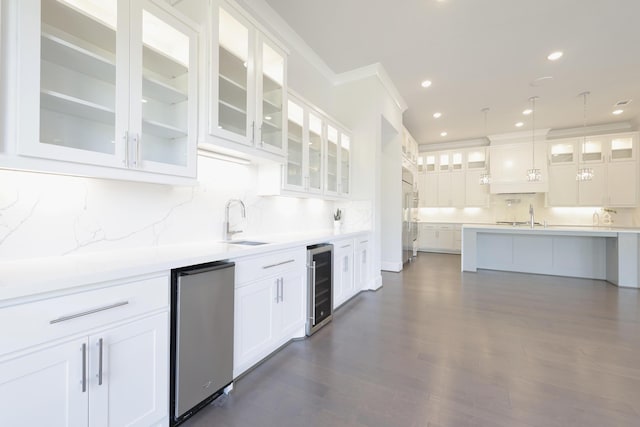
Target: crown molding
373	70
591	130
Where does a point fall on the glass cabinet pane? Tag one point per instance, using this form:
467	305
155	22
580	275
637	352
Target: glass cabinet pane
315	152
233	76
477	159
591	150
444	162
622	148
421	165
562	153
345	158
165	91
430	163
295	125
272	96
78	74
332	159
456	161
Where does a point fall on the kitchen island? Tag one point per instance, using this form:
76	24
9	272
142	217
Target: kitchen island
601	253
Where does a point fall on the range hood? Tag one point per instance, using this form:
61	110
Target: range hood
510	156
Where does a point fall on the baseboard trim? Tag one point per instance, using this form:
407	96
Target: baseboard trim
395	267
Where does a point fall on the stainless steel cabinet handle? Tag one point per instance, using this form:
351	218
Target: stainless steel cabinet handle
84	367
100	361
88	312
313	293
282	289
279	263
277	290
253	132
138	150
346	263
364	241
345	246
364	256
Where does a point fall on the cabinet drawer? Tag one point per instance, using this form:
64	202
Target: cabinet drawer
46	320
257	267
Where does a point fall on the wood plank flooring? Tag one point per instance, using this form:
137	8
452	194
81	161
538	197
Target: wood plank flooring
436	347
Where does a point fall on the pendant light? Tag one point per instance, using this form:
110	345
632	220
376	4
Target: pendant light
485	177
584	174
533	174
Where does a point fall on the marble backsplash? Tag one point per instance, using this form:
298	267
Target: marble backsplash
48	215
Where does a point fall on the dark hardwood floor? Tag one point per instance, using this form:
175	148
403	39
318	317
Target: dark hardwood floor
436	347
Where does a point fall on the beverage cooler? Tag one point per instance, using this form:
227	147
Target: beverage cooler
320	286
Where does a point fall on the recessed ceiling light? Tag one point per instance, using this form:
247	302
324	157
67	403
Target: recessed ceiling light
437	115
527	111
554	56
618	112
443	133
426	83
519	124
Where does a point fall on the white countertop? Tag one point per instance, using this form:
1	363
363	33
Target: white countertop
553	229
28	277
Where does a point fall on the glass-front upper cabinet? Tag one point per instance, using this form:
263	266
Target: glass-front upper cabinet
562	152
303	170
166	109
621	148
294	176
96	89
430	163
345	164
476	158
591	149
248	99
315	147
332	160
235	47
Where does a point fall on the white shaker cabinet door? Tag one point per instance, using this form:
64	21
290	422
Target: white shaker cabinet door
128	374
292	303
45	388
253	330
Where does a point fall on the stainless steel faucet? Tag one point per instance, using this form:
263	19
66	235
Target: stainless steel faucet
228	233
531	220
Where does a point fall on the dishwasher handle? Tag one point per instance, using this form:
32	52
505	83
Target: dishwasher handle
204	268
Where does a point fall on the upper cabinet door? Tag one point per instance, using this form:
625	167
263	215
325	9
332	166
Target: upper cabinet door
315	147
248	98
295	176
332	160
622	148
163	91
270	103
232	98
73	66
345	164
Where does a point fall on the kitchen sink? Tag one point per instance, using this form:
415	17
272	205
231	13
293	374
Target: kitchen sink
246	242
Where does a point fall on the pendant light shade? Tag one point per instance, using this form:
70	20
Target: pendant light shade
533	174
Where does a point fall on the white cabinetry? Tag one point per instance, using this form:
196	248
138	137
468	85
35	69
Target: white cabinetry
476	194
97	358
444	238
343	277
247	107
112	85
614	164
338	162
362	263
509	163
269	305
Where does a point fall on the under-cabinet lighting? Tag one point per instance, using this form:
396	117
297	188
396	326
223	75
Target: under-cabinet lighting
224	157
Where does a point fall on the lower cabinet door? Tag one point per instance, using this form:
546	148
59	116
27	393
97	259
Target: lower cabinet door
291	305
253	328
129	372
45	388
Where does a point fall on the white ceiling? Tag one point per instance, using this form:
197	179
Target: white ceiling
484	53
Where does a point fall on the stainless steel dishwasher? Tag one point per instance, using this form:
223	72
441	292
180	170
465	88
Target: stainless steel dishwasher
201	336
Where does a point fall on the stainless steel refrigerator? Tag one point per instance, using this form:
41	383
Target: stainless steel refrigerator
409	227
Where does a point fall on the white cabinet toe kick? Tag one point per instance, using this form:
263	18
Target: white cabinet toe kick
585	252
